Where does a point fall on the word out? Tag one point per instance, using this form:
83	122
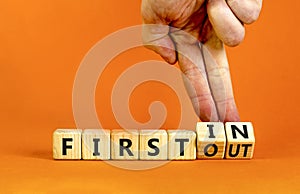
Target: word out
210	140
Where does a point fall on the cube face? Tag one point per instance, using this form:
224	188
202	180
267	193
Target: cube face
153	145
67	144
211	140
125	144
96	144
182	145
240	140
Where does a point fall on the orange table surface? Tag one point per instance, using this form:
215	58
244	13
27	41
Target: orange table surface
27	167
41	46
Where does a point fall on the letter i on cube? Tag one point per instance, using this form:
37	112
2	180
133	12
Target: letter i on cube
96	144
211	140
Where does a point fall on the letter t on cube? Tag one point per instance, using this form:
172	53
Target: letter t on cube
182	145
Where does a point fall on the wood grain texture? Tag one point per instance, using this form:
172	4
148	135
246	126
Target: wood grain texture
67	144
182	145
153	144
96	144
211	140
240	140
130	148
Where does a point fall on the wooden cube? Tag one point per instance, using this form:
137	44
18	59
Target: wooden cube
125	144
67	144
153	144
96	144
240	140
182	144
211	140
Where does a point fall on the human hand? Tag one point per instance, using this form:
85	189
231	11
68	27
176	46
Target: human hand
213	23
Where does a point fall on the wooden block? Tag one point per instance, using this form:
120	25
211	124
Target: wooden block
182	144
96	144
211	140
125	144
240	140
153	145
67	144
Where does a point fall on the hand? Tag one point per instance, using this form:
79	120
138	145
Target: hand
212	22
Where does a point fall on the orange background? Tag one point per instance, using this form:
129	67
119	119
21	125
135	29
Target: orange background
41	46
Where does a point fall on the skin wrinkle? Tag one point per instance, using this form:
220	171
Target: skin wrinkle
184	16
195	25
157	37
192	70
